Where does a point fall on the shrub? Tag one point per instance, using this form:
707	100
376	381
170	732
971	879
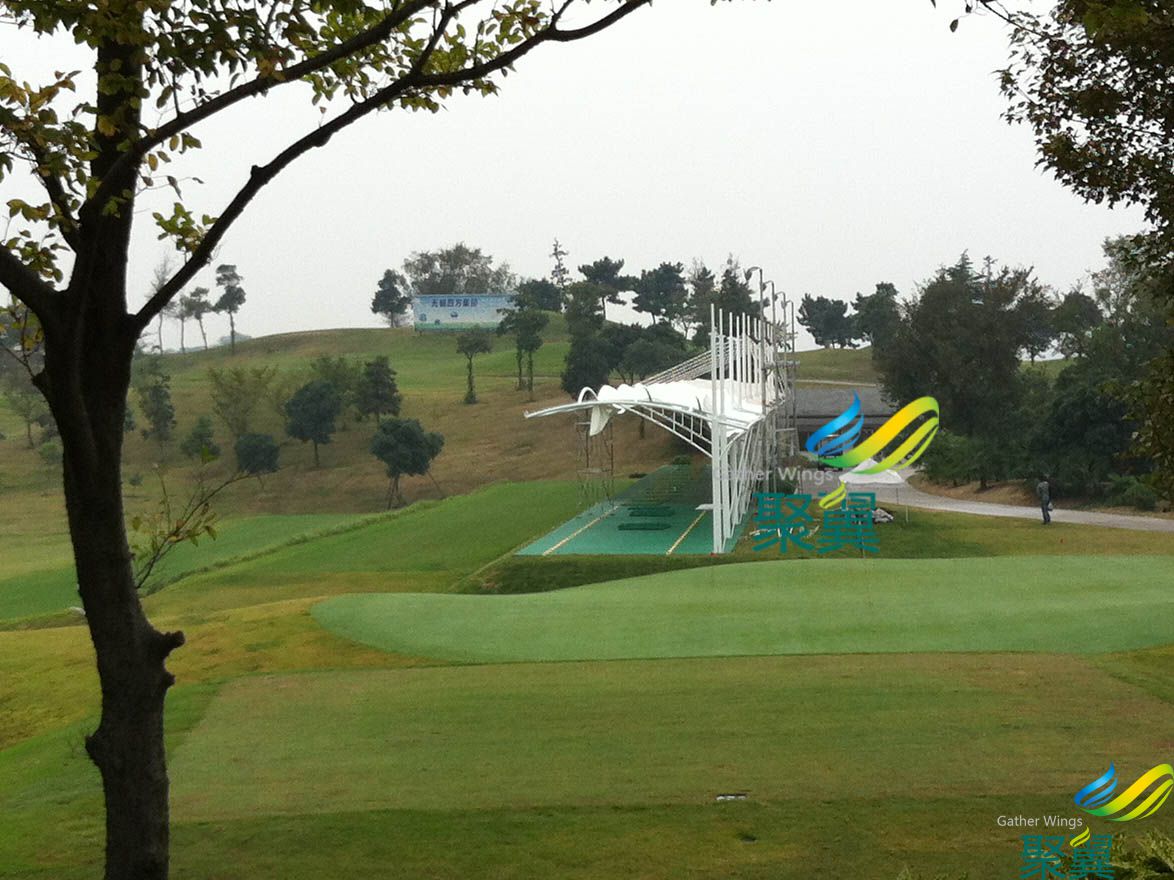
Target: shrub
199	444
50	453
1132	492
256	454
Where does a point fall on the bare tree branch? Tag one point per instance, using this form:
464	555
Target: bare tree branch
413	79
257	86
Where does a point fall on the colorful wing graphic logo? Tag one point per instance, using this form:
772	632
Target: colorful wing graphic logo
833	442
1138	801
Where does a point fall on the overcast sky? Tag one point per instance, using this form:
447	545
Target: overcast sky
836	145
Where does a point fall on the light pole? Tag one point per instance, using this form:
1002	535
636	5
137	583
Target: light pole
767	442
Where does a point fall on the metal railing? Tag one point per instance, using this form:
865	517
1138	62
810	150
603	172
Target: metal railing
690	369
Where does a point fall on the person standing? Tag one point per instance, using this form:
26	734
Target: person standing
1044	491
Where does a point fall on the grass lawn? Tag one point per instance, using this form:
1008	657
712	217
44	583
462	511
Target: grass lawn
852	766
657	732
426	546
1062	604
840	365
371	747
48	590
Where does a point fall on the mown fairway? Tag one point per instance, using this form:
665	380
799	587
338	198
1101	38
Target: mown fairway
645	733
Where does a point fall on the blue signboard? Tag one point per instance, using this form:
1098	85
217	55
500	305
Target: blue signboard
460	311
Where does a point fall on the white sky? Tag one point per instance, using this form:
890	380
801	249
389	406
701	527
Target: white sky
837	145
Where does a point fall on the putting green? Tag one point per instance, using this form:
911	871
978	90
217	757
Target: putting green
819	606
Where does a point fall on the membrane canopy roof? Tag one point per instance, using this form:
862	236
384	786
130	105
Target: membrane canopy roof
737	408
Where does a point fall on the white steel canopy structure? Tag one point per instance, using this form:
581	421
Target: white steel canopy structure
734	403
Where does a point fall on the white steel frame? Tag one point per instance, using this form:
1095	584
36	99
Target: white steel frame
750	406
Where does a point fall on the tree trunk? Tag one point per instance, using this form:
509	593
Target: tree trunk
203	333
85	379
521	384
231	333
315	442
182	347
530	373
28	431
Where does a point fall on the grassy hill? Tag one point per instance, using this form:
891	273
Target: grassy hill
483	443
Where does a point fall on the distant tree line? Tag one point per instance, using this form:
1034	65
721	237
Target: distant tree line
198	303
244	401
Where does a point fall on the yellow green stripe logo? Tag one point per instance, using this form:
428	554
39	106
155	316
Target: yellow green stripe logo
1138	801
833	442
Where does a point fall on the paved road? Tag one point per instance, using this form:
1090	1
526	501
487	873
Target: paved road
906	494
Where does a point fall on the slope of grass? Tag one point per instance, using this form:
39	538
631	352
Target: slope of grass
1063	604
427	546
53	589
839	365
254	615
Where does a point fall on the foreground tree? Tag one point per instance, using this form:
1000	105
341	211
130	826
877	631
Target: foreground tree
1091	78
376	392
230	302
24	400
459	269
160	70
405	448
236	394
472	343
154	390
311	414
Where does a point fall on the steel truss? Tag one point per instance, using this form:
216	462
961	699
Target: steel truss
745	426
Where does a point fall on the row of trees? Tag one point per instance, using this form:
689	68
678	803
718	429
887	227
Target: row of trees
678	302
1046	320
963	337
197	304
669	293
312	412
